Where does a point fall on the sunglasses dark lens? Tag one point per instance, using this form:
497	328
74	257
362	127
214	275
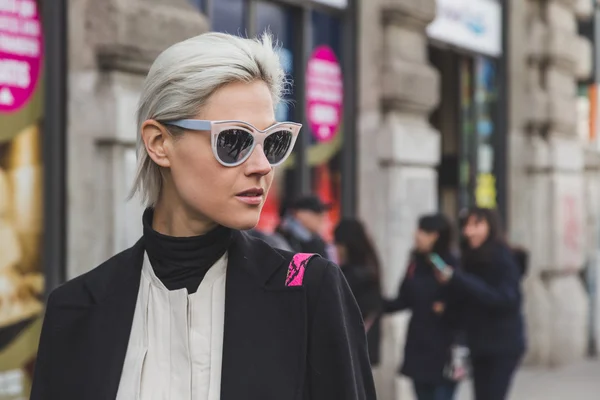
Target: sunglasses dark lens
276	146
234	145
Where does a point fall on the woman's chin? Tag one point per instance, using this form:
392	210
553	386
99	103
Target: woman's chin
242	222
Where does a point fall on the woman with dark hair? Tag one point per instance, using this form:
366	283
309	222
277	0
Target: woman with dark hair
431	333
360	265
488	291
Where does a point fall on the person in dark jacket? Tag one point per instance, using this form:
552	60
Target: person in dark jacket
489	293
302	225
273	239
360	265
431	332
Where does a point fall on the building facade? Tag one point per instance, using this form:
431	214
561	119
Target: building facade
546	177
554	176
424	121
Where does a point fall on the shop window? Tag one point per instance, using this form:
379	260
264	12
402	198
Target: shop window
486	98
468	138
467	121
21	203
325	106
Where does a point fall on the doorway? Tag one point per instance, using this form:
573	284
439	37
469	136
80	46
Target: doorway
465	119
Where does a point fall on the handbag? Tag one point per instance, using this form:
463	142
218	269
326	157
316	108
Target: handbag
458	366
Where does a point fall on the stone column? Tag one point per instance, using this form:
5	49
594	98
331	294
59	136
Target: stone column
112	44
399	150
592	233
546	164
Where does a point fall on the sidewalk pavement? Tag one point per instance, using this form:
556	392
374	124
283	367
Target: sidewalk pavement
574	382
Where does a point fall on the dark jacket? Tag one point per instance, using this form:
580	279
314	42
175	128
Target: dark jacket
304	342
365	288
275	240
430	335
488	289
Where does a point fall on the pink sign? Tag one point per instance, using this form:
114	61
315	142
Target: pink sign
324	93
21	49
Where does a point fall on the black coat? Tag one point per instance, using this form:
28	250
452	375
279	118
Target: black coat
305	342
430	335
365	288
488	290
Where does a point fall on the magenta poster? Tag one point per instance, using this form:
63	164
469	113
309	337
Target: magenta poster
324	94
21	50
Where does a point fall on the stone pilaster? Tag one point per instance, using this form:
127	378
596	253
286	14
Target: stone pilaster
399	149
592	233
112	44
547	175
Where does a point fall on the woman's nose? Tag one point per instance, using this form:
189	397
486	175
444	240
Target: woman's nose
257	163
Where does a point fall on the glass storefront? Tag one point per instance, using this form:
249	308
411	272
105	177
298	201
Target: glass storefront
21	196
478	107
468	174
486	97
471	116
325	150
315	98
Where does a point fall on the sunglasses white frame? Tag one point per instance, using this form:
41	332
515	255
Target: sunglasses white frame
258	136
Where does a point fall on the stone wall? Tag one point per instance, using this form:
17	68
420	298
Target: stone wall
111	46
547	212
398	149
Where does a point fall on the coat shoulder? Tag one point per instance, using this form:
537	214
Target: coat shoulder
315	270
76	291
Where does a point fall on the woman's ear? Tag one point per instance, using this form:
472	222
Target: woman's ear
156	139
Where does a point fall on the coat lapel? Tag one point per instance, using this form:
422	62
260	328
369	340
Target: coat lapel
94	355
264	343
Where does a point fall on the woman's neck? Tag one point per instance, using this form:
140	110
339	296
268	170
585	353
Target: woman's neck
180	221
181	260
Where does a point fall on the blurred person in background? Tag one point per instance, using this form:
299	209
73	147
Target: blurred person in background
198	309
360	265
273	239
488	291
303	224
432	330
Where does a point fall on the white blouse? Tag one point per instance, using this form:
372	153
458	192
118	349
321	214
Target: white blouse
176	344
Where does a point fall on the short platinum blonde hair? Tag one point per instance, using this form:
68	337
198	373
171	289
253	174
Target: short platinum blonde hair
183	78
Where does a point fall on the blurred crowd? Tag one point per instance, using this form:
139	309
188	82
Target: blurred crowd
461	284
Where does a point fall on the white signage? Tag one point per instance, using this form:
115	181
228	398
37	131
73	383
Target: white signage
333	3
474	25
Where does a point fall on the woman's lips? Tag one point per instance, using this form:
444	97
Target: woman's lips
253	196
251	200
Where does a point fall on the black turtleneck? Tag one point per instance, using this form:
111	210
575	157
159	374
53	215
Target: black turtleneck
182	262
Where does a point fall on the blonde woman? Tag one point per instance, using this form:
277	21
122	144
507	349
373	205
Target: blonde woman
197	309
